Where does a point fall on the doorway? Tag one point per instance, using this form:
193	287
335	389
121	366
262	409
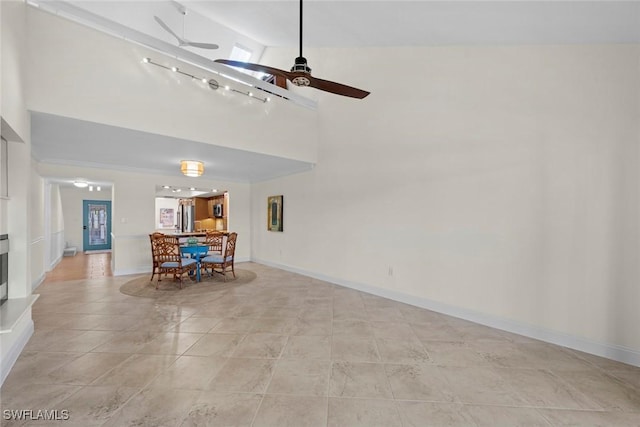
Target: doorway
96	225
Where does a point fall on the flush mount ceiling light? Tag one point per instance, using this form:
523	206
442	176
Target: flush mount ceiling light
192	168
81	184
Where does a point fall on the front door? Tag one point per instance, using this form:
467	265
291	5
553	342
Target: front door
96	225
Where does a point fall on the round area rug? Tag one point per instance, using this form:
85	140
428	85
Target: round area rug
142	287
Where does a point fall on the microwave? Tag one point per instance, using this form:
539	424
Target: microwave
217	211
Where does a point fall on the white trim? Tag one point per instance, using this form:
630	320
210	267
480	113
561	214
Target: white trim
37	240
14	352
14	310
55	263
47	223
38	281
610	351
129	236
129	271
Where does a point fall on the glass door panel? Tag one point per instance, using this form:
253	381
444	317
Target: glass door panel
96	225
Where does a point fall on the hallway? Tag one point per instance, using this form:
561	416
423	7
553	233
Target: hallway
81	266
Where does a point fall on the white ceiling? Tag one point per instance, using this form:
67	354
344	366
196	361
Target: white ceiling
68	141
327	24
417	23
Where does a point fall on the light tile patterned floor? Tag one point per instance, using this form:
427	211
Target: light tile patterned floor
287	350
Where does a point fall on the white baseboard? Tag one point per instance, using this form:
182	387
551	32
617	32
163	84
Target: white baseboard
128	271
610	351
55	263
14	352
38	282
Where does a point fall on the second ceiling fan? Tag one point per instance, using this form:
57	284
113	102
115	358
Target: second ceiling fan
181	40
300	74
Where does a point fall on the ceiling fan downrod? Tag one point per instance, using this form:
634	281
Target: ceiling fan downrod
300	65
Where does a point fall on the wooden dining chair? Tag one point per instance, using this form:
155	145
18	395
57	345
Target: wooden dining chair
222	263
214	240
170	259
153	239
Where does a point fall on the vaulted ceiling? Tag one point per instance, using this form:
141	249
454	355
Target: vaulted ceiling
419	23
327	24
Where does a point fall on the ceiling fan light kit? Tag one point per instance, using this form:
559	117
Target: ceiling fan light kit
300	74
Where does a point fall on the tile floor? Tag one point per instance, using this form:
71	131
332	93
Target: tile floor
287	350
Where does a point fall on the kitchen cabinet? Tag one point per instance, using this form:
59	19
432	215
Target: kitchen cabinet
220	221
202	209
204	212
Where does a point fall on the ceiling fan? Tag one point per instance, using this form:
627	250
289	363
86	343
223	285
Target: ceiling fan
300	74
181	40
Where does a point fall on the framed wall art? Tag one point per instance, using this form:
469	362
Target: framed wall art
166	218
274	213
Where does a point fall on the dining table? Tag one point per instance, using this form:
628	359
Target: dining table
196	252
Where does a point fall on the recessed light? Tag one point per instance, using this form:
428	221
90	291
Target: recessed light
178	190
166	187
91	188
192	189
174	69
214	190
145	60
98	188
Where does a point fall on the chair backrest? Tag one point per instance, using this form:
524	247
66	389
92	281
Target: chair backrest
167	248
230	249
153	238
214	241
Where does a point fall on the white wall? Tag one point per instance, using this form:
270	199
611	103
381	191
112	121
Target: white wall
497	183
133	211
71	199
38	238
74	58
166	203
55	226
16	211
13	110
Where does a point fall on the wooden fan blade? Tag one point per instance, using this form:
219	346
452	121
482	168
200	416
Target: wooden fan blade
337	88
255	67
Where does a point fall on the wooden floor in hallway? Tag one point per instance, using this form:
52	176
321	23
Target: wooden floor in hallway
81	266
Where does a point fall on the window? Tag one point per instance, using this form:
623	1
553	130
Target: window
243	54
239	53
